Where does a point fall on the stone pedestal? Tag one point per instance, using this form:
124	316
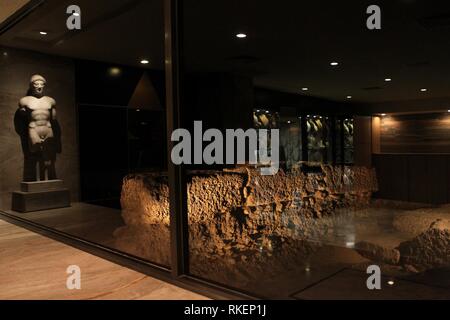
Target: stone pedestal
40	195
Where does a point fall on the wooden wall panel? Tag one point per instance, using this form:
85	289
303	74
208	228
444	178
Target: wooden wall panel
421	178
418	176
376	135
417	133
363	141
392	173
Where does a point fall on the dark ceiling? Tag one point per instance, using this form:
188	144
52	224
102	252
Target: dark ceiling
117	31
290	44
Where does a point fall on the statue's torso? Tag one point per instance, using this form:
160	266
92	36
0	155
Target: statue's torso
39	112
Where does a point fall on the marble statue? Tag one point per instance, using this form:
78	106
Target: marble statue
36	123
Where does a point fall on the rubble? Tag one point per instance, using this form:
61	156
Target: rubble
378	253
429	250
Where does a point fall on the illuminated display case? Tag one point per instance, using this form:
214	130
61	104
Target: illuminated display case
318	139
310	137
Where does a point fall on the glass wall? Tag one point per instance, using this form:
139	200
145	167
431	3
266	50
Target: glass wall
316	73
87	144
314	145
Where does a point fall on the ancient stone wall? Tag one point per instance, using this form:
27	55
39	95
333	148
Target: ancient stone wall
236	210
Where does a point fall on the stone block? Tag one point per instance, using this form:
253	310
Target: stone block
42	186
37	201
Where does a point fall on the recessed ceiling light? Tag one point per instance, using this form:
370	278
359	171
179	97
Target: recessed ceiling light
138	110
448	110
44	33
423	90
267	112
391	283
144	61
388	79
305	89
383	114
5	54
114	71
289	122
349	97
334	64
241	35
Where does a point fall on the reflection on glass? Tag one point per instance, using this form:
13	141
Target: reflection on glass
348	129
311	230
108	128
319	134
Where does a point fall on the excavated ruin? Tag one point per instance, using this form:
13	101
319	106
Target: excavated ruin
238	210
244	227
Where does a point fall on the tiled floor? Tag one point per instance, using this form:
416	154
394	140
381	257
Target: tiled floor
34	267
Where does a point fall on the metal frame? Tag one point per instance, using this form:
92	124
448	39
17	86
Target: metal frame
177	182
19	15
178	274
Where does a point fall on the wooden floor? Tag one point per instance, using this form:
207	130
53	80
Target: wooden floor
34	267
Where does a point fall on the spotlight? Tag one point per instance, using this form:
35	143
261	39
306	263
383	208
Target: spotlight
388	79
349	97
241	35
350	244
383	114
334	63
144	61
424	90
114	71
305	89
44	33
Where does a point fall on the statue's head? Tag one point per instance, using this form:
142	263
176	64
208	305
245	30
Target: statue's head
37	85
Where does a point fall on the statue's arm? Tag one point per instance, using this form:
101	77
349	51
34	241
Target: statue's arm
20	119
22	104
53	109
